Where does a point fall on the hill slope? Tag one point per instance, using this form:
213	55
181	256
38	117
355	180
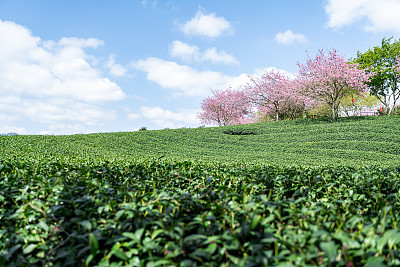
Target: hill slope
359	141
102	199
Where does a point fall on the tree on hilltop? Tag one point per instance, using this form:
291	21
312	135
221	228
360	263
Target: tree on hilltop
276	95
329	77
225	107
382	62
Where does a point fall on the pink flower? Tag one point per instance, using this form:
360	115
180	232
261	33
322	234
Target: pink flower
225	107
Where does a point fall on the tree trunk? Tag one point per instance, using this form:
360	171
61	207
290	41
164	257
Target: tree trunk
333	112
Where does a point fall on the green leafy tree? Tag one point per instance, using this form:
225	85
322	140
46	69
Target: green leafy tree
321	110
381	62
353	105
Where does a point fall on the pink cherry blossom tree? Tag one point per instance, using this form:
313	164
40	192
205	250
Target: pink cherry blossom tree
269	93
297	102
328	78
277	95
225	107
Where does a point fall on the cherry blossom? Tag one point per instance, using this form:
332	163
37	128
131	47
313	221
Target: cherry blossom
225	107
275	95
329	77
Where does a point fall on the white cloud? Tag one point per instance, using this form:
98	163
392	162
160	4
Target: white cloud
52	82
214	56
208	25
164	118
4	129
244	79
56	113
115	69
29	66
74	42
154	2
132	116
288	37
261	71
168	119
181	79
191	53
8	118
184	51
380	15
238	82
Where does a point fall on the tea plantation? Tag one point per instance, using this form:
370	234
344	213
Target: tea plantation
288	193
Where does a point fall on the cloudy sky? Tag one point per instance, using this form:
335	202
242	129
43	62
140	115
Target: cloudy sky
80	66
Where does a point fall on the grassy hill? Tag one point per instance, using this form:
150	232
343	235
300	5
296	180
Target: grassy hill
205	196
358	141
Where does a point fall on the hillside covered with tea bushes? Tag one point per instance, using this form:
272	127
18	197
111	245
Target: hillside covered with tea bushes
287	193
357	141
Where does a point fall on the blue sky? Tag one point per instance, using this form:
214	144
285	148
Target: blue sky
86	66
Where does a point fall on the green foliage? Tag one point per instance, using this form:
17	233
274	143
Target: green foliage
299	193
381	61
322	110
363	141
191	214
351	108
396	110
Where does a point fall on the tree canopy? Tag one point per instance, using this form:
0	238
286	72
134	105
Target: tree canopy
329	77
381	62
326	79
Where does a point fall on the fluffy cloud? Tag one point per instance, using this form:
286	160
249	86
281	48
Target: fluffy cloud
115	69
208	25
184	51
380	15
73	42
244	79
214	56
4	129
52	82
168	119
132	116
190	53
164	118
288	37
58	114
261	71
181	79
154	2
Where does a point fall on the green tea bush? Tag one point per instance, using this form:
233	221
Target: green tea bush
191	214
356	142
298	193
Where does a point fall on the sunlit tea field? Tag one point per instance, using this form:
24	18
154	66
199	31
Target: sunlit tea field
288	193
